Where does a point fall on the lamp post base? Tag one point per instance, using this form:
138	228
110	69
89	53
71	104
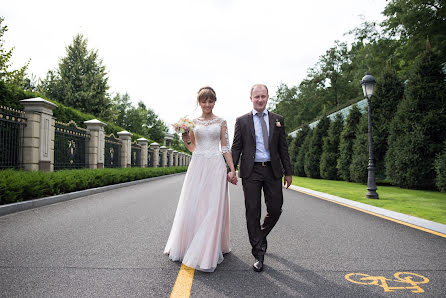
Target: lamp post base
372	194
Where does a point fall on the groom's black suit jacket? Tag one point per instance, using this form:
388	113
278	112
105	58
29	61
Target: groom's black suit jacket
244	145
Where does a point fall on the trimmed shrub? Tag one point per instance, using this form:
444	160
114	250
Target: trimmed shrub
313	155
418	129
440	169
330	150
299	164
295	146
347	138
360	154
17	186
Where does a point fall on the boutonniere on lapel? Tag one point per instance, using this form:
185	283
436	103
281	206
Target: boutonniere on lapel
278	123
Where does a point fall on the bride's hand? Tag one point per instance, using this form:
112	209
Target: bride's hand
232	177
186	138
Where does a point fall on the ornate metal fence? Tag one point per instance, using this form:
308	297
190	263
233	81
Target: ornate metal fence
112	152
136	155
12	124
160	159
69	146
150	156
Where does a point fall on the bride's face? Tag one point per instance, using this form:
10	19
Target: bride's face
207	105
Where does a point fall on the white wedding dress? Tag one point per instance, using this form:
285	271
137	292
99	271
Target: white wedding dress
200	231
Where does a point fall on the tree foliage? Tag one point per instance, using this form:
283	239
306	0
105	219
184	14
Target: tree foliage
440	169
80	81
299	164
418	129
330	149
360	152
347	138
313	155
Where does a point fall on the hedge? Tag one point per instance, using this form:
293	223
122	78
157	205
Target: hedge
17	186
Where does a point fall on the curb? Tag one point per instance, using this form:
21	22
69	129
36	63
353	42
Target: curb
396	216
26	205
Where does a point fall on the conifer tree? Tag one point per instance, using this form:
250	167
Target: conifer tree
440	169
389	93
360	152
299	149
313	155
80	81
418	129
348	135
330	150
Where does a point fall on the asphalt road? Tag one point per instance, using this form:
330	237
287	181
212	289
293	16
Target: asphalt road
110	244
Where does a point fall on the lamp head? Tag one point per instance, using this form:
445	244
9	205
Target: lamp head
368	85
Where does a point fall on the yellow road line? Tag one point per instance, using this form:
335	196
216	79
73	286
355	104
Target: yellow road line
375	214
183	284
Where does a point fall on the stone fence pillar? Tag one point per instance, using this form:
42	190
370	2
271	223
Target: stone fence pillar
144	151
181	159
175	158
163	150
96	145
38	136
170	157
126	148
155	147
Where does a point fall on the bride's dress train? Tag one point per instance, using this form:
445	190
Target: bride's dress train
200	231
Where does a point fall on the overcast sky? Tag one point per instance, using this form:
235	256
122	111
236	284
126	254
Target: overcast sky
162	52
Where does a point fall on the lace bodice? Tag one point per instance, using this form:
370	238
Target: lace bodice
209	135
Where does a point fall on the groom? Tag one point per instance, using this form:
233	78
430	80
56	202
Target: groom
260	139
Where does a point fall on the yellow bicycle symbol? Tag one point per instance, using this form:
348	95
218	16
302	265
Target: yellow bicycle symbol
410	278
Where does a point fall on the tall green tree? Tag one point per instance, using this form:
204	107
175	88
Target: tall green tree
299	164
16	77
418	129
294	148
347	138
440	169
389	93
414	21
360	152
80	81
330	149
313	155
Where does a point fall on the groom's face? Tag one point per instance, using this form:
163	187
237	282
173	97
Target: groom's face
259	98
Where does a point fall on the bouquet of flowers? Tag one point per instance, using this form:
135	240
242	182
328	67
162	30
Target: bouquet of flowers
183	125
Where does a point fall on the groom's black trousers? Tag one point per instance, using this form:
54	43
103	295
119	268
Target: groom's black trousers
261	177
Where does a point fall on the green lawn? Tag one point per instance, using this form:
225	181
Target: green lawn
430	205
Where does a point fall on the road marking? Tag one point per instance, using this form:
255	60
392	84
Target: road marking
411	279
183	284
375	214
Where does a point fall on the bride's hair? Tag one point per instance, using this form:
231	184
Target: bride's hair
205	93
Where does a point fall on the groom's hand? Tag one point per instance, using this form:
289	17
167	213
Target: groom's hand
287	181
232	178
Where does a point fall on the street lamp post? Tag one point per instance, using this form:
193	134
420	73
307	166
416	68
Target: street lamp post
368	87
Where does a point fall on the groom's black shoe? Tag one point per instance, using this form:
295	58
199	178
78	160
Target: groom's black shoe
258	266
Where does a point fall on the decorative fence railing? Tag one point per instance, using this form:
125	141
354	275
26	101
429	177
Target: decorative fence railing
69	146
112	152
136	155
150	158
12	123
33	140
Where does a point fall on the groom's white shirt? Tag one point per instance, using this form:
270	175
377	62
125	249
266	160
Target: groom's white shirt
261	153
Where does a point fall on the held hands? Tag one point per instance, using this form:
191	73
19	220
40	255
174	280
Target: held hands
287	181
232	177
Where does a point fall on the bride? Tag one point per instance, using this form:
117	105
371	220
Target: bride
200	231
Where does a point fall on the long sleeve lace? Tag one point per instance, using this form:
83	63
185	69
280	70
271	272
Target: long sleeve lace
224	138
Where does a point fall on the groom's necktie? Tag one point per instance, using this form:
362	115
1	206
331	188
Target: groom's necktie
264	130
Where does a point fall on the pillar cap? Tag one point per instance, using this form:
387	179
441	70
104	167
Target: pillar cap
170	150
124	134
154	144
37	103
94	122
142	140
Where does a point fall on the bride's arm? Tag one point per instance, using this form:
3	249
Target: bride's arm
189	140
224	139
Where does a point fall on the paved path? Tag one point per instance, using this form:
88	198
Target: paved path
110	244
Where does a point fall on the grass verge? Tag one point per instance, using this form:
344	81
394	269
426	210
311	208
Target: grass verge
430	205
18	186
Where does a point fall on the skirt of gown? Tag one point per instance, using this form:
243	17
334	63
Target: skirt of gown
200	231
